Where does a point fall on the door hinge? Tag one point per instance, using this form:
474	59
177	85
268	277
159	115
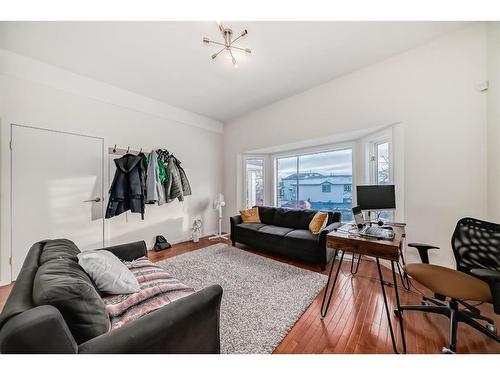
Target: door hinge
10	261
10	144
373	158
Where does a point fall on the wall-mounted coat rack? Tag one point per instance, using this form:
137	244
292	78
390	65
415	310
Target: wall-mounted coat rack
124	151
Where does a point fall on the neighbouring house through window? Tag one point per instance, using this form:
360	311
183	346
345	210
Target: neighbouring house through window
319	181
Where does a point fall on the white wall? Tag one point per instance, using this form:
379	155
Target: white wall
494	121
431	92
35	94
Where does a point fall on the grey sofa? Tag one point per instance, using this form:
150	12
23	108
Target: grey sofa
187	325
285	232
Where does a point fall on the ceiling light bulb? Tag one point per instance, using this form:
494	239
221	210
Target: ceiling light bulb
206	40
248	50
244	32
214	56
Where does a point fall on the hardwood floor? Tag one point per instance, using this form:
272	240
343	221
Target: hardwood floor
356	321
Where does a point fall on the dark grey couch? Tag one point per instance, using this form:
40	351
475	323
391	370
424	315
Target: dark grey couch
285	232
187	325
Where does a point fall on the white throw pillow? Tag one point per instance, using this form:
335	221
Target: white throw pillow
109	274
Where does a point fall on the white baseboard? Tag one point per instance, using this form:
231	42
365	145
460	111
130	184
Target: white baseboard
4	282
189	238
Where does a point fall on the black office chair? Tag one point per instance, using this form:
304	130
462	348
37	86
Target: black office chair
476	246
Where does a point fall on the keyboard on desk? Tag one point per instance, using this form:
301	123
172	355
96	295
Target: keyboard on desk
378	232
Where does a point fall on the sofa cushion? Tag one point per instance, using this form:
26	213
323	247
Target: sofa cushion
62	283
266	215
274	230
318	223
284	217
250	215
57	250
307	216
21	297
248	228
302	239
107	272
289	217
302	234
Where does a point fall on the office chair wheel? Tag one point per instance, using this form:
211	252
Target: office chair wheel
424	302
491	327
397	313
447	351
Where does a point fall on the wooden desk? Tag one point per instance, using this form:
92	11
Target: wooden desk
348	241
383	249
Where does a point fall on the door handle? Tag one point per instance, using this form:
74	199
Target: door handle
94	200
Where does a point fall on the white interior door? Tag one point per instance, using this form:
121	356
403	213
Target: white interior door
57	190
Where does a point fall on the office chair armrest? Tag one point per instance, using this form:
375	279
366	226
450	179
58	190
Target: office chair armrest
423	250
492	277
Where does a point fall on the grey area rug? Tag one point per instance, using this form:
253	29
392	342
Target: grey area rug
262	298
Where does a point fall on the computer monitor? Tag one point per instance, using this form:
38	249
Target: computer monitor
376	197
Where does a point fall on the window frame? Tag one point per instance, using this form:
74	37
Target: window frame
247	158
372	163
373	159
312	151
328	186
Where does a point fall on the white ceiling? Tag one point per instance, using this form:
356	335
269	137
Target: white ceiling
167	61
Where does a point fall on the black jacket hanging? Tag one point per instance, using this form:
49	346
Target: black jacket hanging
128	189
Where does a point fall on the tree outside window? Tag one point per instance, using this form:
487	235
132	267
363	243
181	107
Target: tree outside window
383	164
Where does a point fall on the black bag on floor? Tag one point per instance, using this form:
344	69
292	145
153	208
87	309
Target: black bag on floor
161	243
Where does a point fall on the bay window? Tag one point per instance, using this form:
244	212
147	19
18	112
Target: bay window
318	181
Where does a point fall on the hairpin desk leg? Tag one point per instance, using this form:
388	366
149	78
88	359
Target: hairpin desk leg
323	312
404	277
398	305
354	271
405	281
386	306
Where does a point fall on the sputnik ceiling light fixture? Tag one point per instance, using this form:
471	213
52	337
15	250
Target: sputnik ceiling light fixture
227	45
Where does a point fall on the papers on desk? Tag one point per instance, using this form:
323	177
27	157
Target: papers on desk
347	226
374	232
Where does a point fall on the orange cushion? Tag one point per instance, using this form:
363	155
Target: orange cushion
250	215
318	222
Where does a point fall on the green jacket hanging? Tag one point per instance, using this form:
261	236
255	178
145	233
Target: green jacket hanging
162	172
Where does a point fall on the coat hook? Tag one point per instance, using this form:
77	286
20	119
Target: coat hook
140	150
114	149
128	149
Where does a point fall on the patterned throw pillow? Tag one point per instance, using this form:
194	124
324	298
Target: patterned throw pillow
318	222
250	215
